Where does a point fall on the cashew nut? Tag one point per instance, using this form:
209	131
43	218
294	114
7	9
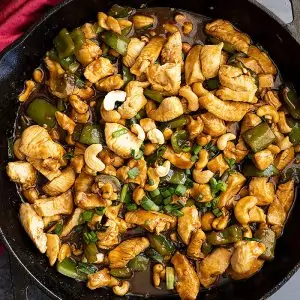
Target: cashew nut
80	106
207	220
122	289
157	270
203	159
285	144
29	87
91	159
65	122
167	133
202	176
190	96
112	97
222	140
268	110
154	180
164	169
246	211
203	140
187	28
150	148
156	136
138	130
64	251
221	222
282	124
38	75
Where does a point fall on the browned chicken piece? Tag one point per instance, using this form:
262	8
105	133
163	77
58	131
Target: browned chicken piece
83	183
165	78
213	265
263	60
113	211
110	237
218	164
53	245
188	223
263	159
210	57
90	201
280	207
250	120
36	143
234	182
187	283
127	250
213	125
38	164
124	144
203	189
225	110
135	99
192	66
180	160
194	248
225	31
88	52
172	50
151	220
170	108
272	98
22	172
284	158
251	63
265	81
60	205
34	226
100	279
110	83
98	69
60	184
255	267
234	78
134	49
245	254
72	222
225	93
263	190
148	56
238	152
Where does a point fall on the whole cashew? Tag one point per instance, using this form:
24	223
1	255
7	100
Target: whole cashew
156	136
203	159
122	289
65	122
282	124
29	87
246	211
268	110
190	96
91	159
164	169
64	251
152	175
112	97
157	270
222	140
80	106
138	130
202	176
221	222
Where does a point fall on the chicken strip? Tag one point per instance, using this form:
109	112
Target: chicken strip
22	172
187	284
165	78
213	265
172	50
225	110
53	245
192	66
72	222
124	144
148	56
194	248
134	49
127	250
90	201
210	57
110	237
225	31
151	220
188	223
100	279
34	226
225	93
88	52
39	165
98	69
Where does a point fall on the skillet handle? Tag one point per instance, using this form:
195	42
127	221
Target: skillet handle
294	26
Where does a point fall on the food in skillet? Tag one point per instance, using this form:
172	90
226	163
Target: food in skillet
140	152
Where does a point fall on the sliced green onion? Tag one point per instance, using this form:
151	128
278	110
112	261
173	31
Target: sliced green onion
137	155
188	172
173	209
154	193
148	204
133	173
123	192
166	193
119	132
197	149
217	212
86	216
86	268
58	228
251	239
167	200
100	211
170	278
189	183
194	158
131	206
90	237
180	190
230	161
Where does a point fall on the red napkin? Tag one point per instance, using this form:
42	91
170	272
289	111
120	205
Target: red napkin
17	15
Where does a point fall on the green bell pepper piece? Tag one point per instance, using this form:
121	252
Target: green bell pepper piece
78	38
161	244
90	252
154	95
118	11
139	263
154	255
42	112
179	141
294	135
229	235
206	248
178	122
212	84
90	134
249	170
175	176
148	204
268	238
64	44
127	76
68	267
291	173
290	97
126	30
116	41
259	137
125	273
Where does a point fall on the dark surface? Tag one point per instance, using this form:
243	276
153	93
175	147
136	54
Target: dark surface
17	64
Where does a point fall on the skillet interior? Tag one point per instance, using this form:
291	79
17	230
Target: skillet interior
17	64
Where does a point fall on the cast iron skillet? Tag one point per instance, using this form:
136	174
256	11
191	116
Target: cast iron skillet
17	64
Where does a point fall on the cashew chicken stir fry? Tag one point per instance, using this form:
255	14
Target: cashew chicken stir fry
140	152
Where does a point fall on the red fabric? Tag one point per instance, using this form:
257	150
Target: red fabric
17	15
